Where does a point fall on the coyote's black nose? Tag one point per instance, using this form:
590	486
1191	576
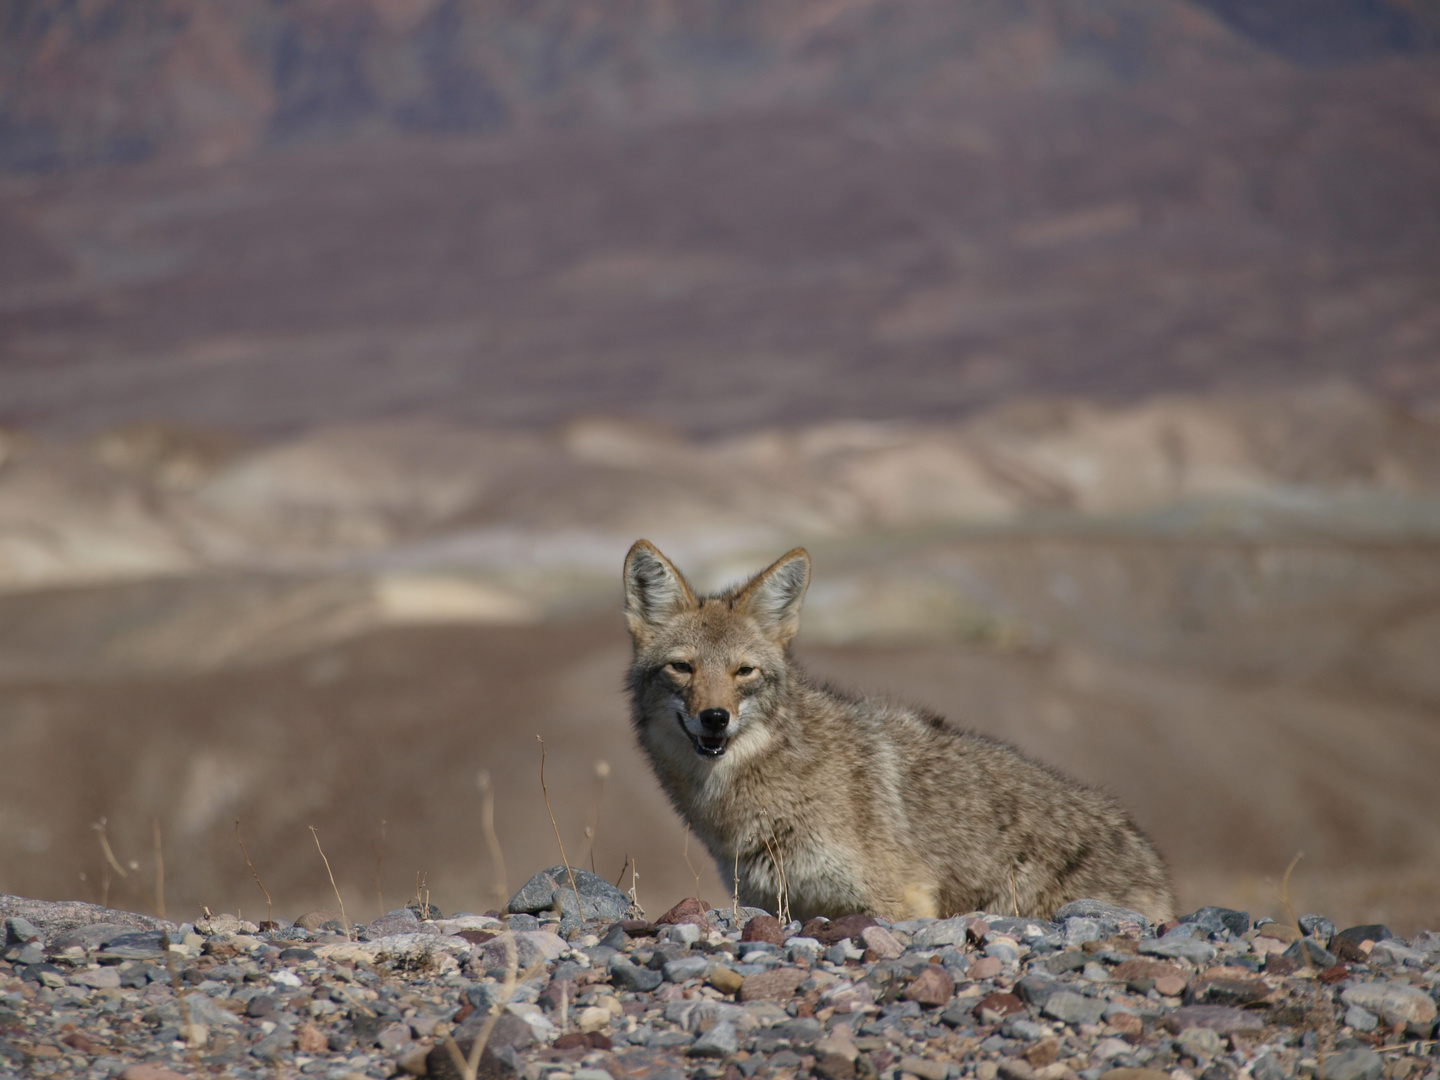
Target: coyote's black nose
714	719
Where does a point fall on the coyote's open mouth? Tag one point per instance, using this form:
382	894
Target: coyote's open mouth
711	746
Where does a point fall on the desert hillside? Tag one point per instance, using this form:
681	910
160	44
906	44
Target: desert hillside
1223	609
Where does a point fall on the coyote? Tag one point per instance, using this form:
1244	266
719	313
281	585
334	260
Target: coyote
828	804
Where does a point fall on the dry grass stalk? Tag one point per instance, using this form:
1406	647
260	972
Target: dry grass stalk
602	771
112	862
634	897
686	852
735	895
782	893
269	907
500	889
1014	892
579	908
379	850
159	871
338	899
423	903
469	1065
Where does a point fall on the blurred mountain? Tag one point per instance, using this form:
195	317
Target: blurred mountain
731	215
122	80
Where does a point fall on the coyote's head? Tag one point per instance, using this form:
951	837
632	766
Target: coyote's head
709	669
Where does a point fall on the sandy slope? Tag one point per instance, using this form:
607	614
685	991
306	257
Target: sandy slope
1225	611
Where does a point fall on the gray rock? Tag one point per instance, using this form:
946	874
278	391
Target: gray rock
1320	956
1037	990
394	1038
55	917
275	1045
1357	1063
626	976
1376	932
1079	929
1395	1002
1201	1043
664	1039
105	978
937	934
402	921
721	1041
90	937
1361	1019
1215	919
30	952
204	1010
1317	926
1116	918
549	888
141	945
1197	952
1021	928
1072	1008
19	930
1268	1067
1022	1027
1222	1019
686	968
601	955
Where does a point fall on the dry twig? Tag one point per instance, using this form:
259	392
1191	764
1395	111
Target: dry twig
579	908
269	907
340	900
492	839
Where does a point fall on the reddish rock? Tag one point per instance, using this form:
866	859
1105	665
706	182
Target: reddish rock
1145	969
764	928
881	943
777	984
1127	1025
933	986
313	920
78	1040
1170	985
985	967
150	1072
1276	964
1347	951
477	937
845	928
1043	1052
582	1040
688	909
1330	976
310	1040
999	1005
636	927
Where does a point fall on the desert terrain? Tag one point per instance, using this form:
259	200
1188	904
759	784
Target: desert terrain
1091	348
1222	610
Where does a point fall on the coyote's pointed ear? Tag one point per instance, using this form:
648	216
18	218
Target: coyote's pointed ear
654	590
773	596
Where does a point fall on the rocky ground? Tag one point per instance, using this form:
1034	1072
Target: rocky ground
1096	994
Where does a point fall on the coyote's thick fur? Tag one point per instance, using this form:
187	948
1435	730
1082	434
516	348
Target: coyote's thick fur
836	804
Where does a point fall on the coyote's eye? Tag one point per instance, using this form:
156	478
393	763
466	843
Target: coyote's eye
681	666
744	670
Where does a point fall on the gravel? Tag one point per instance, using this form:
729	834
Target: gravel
112	996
